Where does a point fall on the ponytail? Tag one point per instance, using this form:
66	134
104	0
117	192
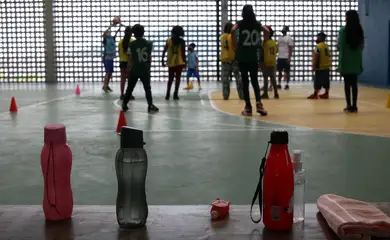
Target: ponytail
126	39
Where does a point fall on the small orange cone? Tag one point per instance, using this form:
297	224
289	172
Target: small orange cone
77	90
388	101
121	122
13	107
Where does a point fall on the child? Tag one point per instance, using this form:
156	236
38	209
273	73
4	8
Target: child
229	64
124	58
270	49
321	66
138	67
108	57
175	46
193	69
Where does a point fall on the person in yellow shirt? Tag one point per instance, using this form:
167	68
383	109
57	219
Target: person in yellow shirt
322	61
124	58
229	63
270	51
176	60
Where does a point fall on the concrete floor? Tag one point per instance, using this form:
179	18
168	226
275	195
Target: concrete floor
196	153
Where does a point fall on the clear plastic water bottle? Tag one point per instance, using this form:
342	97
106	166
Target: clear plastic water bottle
299	187
131	165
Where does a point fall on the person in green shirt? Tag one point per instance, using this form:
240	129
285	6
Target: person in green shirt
350	62
248	47
140	59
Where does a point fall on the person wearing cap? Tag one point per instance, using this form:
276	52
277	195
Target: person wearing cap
269	52
322	61
285	46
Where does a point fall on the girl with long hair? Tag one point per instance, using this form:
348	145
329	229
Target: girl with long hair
124	58
350	46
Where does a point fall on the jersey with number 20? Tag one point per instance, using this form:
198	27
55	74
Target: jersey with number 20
249	42
140	51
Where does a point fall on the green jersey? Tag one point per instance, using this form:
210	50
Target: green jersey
249	42
140	51
350	60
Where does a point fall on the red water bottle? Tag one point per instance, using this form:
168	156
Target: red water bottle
56	163
276	201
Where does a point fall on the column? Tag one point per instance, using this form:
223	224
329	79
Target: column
51	70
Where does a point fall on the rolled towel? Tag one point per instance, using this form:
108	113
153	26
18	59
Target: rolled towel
353	219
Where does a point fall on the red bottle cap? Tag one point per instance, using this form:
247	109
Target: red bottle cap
55	133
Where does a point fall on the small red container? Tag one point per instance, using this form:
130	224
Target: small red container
219	209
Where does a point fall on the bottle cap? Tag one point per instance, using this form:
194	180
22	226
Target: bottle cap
132	138
55	133
279	137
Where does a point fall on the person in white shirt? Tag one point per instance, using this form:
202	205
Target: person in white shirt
285	51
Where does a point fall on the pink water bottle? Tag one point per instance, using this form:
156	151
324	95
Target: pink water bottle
56	163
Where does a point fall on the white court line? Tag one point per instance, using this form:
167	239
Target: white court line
201	98
189	121
334	130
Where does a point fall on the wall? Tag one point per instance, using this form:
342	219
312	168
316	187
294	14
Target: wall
376	52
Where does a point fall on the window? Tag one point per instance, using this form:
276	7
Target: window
22	45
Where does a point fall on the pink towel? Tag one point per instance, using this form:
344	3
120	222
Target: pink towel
353	219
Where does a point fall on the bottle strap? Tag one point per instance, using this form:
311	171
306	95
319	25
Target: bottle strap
50	156
259	188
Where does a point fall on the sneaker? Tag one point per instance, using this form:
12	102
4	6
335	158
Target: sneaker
167	96
152	109
260	109
286	87
354	109
105	90
176	97
279	86
276	96
348	109
132	98
324	96
199	87
191	85
187	87
313	96
247	112
264	96
109	89
125	107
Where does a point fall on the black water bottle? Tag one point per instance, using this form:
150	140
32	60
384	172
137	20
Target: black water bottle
131	165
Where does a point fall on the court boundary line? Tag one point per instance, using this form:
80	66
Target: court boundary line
292	126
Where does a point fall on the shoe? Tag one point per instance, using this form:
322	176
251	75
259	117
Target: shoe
324	96
354	109
279	86
132	98
121	97
276	96
264	96
286	87
313	96
152	109
247	111
199	87
105	90
109	89
348	109
176	97
125	107
187	87
260	109
191	85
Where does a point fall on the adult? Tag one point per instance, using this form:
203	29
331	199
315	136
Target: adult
248	57
350	46
285	52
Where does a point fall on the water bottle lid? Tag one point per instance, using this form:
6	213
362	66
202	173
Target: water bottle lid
279	137
297	156
132	138
54	133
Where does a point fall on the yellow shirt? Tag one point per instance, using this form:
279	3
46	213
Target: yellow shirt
175	55
123	57
270	53
325	58
227	52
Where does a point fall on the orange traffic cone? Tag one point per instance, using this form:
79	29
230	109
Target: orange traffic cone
77	90
13	107
121	122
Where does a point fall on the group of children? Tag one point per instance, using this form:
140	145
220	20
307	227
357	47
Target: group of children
242	52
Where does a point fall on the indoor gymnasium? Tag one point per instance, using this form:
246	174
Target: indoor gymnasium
148	119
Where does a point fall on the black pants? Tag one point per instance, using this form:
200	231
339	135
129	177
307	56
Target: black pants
253	72
350	82
132	81
322	79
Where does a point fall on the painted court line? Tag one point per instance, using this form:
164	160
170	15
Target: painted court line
334	130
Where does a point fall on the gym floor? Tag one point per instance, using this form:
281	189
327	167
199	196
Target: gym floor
199	148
